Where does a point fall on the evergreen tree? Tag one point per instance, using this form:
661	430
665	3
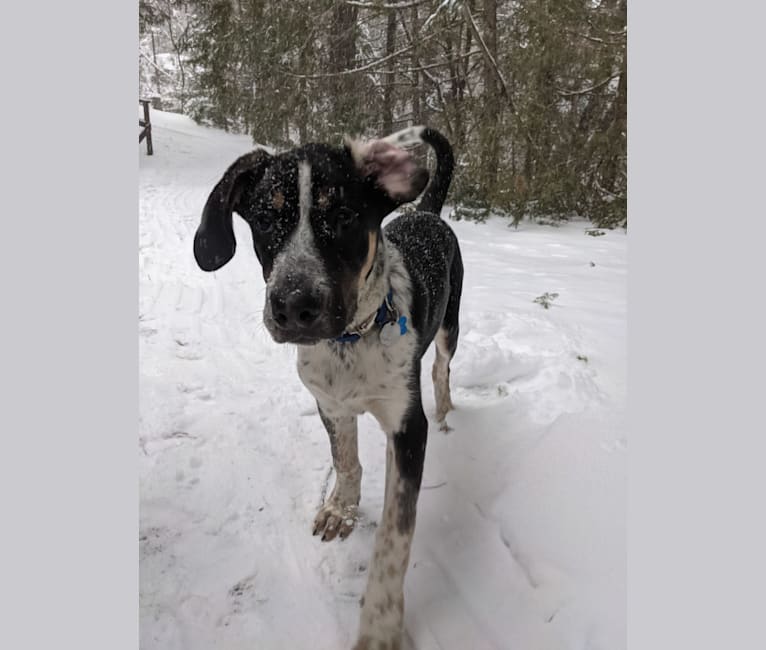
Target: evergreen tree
532	93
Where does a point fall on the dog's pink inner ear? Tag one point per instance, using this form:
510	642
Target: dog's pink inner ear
392	167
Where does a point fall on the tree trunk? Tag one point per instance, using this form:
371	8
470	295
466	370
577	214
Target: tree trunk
346	116
156	67
616	120
615	133
388	88
415	59
490	149
177	48
452	108
463	67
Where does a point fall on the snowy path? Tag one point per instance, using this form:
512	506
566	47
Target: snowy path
520	536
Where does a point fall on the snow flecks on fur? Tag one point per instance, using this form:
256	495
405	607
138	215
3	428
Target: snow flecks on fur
519	541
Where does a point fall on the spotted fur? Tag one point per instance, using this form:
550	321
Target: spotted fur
315	214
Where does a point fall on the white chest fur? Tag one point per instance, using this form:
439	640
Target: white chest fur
366	376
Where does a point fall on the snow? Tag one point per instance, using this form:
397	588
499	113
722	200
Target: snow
520	535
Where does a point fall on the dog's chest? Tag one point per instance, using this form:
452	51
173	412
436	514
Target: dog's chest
358	377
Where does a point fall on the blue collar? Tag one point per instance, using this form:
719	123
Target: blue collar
381	318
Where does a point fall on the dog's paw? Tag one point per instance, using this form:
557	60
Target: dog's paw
366	642
334	520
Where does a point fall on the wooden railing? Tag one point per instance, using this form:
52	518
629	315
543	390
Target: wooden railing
146	127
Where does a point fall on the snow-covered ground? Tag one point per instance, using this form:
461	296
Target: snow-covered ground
520	535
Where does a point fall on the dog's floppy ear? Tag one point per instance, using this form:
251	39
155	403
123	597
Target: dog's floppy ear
214	242
391	168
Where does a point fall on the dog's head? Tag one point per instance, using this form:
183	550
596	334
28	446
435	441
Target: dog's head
315	214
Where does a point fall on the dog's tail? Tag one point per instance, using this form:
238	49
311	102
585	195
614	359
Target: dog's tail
436	191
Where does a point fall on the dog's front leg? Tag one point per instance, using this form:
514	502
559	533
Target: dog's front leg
338	514
383	603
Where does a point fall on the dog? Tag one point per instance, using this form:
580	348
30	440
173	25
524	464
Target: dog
362	304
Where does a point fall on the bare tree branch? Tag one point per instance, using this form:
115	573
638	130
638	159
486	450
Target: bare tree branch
343	73
590	89
430	66
154	65
396	5
594	39
440	95
503	85
606	192
363	68
446	4
622	32
488	54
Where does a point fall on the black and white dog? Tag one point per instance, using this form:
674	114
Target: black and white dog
362	304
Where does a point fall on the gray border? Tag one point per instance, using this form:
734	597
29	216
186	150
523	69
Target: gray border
69	498
696	328
696	534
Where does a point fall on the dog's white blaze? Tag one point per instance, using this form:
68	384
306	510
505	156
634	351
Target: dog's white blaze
300	253
304	234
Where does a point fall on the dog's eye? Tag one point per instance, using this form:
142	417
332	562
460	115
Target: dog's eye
263	222
345	219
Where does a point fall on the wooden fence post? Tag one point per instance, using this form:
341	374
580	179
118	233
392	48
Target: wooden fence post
146	131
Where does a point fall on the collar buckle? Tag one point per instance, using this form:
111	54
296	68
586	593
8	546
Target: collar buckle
386	313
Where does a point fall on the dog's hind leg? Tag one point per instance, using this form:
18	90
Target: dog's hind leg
338	514
446	344
440	375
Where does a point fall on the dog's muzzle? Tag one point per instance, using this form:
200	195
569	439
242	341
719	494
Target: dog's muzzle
300	313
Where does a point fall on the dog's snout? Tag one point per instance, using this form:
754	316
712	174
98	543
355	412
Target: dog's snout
297	309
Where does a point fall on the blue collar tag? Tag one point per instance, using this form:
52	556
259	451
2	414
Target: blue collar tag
392	330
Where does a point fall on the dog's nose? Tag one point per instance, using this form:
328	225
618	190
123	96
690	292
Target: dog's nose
295	310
